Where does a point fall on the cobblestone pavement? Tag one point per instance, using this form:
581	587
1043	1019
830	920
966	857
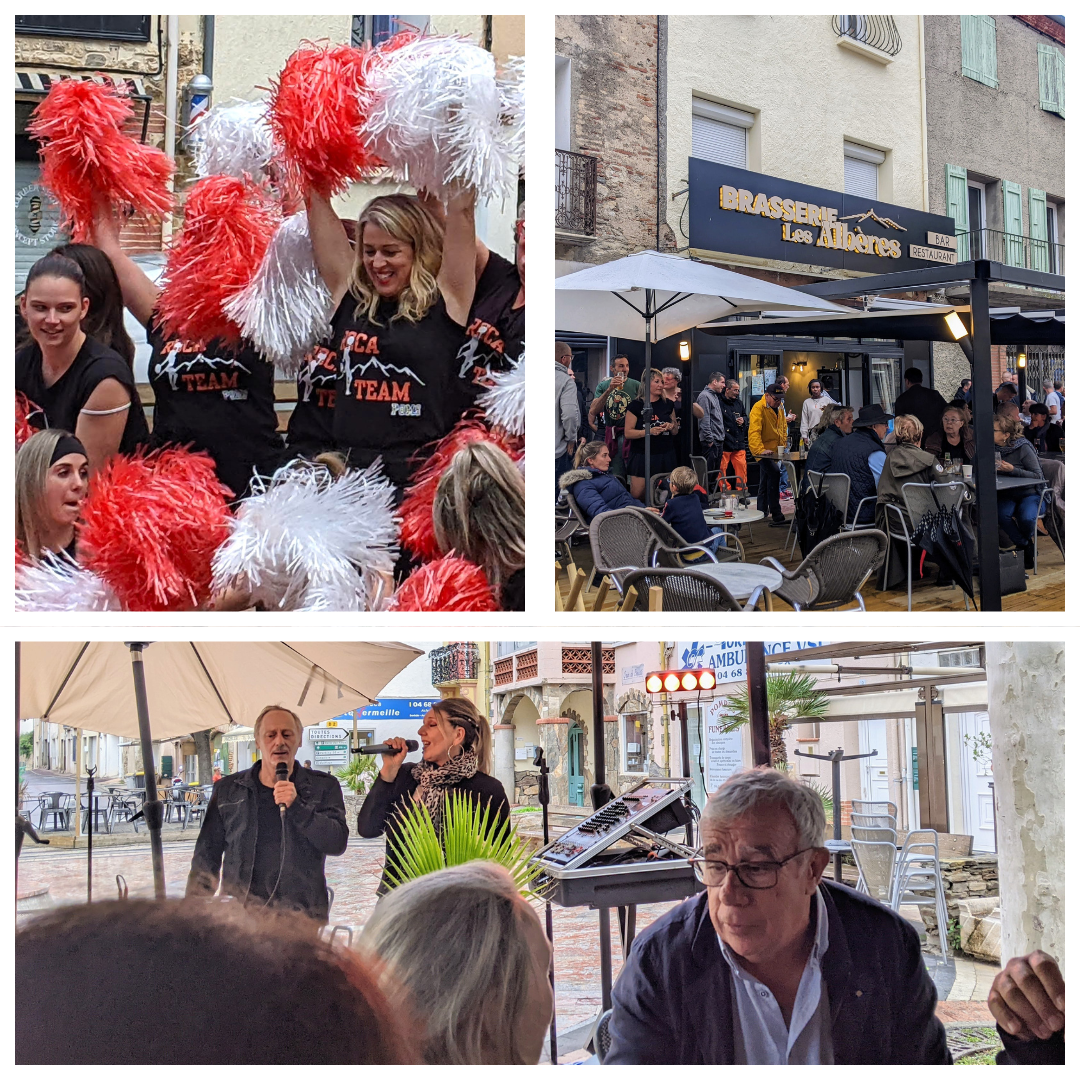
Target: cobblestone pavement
354	877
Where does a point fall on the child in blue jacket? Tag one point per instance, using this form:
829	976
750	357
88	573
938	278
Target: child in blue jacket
684	510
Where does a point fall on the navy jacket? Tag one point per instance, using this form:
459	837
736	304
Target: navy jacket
684	513
735	436
596	491
851	455
315	827
819	457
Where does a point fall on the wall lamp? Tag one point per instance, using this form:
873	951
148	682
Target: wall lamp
684	351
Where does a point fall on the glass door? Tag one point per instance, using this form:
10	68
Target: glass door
884	381
575	771
756	371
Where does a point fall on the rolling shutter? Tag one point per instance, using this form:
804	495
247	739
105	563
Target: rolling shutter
1014	222
1040	249
37	220
1051	79
718	133
978	48
861	170
956	206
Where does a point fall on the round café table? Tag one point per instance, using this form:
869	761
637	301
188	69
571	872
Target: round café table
741	579
715	517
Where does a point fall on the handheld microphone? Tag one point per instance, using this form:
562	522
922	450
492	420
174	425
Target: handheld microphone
383	748
282	774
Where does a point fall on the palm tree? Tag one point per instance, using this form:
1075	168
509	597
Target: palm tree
790	695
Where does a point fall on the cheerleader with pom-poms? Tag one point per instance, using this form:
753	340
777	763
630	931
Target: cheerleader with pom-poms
52	475
209	394
77	383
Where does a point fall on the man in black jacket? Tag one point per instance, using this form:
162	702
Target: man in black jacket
918	400
267	839
735	428
771	965
862	456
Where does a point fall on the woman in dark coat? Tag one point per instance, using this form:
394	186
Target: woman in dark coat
456	756
1017	507
954	439
593	487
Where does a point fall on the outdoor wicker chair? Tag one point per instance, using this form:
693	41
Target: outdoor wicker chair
834	572
686	590
654	489
621	541
601	1039
574	525
918	500
671	549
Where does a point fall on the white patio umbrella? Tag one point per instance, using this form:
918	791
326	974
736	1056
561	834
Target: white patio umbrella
652	295
158	690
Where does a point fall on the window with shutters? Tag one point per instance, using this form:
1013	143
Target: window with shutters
1051	79
1040	251
956	206
978	48
719	133
1014	222
861	170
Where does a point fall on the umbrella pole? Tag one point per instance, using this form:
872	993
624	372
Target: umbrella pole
78	784
152	809
647	411
90	835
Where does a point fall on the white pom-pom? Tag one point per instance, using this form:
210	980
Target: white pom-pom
60	584
309	542
234	139
435	115
286	308
504	401
512	106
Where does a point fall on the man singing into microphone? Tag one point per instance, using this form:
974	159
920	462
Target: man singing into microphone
268	830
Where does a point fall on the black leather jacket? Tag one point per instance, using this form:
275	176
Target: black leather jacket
315	826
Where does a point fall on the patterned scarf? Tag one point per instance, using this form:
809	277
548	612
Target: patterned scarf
434	779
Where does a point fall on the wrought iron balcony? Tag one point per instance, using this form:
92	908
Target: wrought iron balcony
877	31
575	193
1011	249
452	663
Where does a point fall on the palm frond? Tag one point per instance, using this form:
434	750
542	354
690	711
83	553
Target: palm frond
470	831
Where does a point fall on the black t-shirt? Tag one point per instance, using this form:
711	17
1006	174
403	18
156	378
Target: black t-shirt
218	398
663	413
954	453
400	385
496	328
62	402
267	844
311	426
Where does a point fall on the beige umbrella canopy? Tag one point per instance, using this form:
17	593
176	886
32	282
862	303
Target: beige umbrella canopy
191	685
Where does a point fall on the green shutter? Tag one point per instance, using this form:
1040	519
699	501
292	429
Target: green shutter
1014	222
978	48
1040	249
1051	79
956	206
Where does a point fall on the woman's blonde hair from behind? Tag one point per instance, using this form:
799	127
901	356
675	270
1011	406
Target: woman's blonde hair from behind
404	218
456	953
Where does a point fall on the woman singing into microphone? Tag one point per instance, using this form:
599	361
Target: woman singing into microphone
457	752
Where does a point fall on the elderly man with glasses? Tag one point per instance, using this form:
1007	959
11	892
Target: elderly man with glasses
771	965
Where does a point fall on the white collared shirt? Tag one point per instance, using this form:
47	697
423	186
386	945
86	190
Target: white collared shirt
761	1035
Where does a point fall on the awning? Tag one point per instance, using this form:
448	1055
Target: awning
239	734
1007	327
40	82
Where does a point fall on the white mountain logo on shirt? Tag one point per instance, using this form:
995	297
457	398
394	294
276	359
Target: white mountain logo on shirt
356	371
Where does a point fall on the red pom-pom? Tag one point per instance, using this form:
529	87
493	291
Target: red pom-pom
86	157
228	225
25	411
317	115
417	530
447	584
151	525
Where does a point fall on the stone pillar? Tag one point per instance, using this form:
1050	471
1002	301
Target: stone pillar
503	755
1025	689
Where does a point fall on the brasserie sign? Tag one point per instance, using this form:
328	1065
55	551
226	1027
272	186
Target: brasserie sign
739	212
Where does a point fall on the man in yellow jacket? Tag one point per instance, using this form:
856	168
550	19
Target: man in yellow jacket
767	431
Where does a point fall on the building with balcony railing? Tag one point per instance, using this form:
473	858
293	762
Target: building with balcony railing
541	695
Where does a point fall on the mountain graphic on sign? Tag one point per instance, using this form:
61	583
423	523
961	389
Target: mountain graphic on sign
353	372
887	222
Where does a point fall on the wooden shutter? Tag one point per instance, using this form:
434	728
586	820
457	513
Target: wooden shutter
1040	250
978	48
1051	79
1014	222
956	206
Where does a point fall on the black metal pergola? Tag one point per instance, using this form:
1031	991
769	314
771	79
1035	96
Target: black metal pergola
978	276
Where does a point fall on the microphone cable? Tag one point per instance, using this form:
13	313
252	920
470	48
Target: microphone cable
281	861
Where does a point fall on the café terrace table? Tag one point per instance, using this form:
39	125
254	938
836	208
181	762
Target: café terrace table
741	579
741	516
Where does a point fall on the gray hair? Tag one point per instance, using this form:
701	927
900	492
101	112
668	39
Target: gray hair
830	414
454	942
674	371
743	792
278	708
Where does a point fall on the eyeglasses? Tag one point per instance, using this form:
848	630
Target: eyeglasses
759	875
952	420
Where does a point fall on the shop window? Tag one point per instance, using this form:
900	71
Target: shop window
634	749
807	732
719	133
99	27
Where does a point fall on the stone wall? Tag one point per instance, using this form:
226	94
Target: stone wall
613	94
963	879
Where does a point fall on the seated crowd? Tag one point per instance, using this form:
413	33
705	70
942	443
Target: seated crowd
926	440
769	964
